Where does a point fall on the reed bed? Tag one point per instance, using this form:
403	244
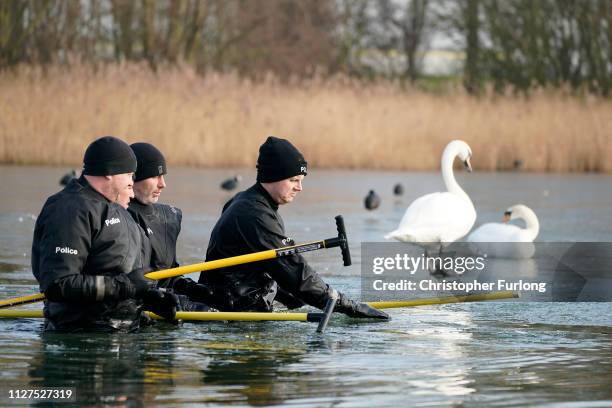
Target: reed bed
220	120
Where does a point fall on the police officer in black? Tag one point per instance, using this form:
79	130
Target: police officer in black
250	222
88	254
162	224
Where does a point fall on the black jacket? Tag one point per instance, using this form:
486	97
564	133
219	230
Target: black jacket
77	232
162	224
250	222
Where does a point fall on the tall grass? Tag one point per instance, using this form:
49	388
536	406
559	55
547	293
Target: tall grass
220	120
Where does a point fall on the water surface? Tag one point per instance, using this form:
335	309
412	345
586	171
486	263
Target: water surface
485	354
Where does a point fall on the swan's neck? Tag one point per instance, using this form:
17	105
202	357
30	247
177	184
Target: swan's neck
532	224
449	177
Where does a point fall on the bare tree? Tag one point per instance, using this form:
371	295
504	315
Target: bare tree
472	74
123	27
406	22
518	44
13	32
352	35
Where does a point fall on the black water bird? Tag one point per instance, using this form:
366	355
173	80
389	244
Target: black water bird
231	184
66	178
517	164
372	201
398	189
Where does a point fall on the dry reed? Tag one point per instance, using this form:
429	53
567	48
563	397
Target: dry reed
220	120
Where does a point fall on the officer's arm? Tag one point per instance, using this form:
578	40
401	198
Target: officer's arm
90	288
292	273
64	247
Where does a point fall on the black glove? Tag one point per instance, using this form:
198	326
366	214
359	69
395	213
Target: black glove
141	283
161	303
119	287
128	286
194	291
355	309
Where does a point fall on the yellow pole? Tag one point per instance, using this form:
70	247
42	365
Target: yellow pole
206	266
251	316
21	300
20	313
257	316
442	300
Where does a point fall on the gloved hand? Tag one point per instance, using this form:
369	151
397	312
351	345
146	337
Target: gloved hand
127	286
141	283
355	309
161	303
194	291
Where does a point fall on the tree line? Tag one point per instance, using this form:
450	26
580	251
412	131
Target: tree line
510	44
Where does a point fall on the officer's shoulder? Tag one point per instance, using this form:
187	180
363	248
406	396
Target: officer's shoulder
76	208
243	202
75	202
252	208
250	197
169	209
92	203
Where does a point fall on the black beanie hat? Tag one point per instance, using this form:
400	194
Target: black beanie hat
107	156
151	162
279	160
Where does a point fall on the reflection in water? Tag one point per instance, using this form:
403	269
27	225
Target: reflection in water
117	369
444	338
530	363
438	356
254	373
256	364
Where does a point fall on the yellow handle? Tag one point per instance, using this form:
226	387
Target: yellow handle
17	313
251	316
254	316
206	266
21	300
231	261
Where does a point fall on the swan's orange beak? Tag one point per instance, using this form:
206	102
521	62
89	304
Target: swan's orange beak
507	216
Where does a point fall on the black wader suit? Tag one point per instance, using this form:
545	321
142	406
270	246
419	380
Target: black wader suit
250	223
162	224
80	233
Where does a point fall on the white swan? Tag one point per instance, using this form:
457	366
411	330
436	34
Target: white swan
504	232
518	241
440	217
